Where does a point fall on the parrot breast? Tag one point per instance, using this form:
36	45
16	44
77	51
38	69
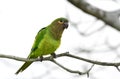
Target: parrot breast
47	46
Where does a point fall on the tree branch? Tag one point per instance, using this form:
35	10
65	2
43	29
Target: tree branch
110	18
50	58
61	55
72	71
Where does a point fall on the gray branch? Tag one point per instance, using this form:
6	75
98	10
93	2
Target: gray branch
73	71
109	18
50	58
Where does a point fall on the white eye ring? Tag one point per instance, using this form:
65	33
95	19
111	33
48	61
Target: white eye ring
60	22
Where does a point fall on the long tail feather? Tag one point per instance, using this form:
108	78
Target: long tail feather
24	66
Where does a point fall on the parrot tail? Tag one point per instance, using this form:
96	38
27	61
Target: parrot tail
24	66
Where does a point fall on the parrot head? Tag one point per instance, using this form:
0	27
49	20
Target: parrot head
57	27
61	22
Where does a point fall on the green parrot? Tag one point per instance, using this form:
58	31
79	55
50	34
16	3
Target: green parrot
46	41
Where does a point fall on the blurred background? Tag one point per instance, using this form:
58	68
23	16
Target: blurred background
93	33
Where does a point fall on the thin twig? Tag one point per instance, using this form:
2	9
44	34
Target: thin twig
69	70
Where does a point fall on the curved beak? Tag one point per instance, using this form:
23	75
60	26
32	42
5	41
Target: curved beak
65	25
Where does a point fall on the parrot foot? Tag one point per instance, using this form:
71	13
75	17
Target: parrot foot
53	55
41	58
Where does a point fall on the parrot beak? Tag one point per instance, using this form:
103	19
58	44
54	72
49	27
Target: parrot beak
65	25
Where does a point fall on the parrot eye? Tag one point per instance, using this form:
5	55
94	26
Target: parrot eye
60	21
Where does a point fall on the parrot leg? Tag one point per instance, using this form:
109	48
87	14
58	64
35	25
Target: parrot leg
53	55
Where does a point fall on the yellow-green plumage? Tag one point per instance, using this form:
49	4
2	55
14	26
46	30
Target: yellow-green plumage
46	41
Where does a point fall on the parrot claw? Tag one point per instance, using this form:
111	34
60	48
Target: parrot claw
53	55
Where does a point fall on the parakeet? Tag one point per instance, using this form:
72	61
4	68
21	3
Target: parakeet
46	41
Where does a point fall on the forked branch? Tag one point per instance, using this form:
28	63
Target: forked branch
67	54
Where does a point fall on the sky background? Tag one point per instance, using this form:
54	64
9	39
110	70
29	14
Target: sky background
20	20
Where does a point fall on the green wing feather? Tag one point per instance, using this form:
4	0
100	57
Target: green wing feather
38	39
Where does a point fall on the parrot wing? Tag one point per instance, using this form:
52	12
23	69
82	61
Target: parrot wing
37	40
